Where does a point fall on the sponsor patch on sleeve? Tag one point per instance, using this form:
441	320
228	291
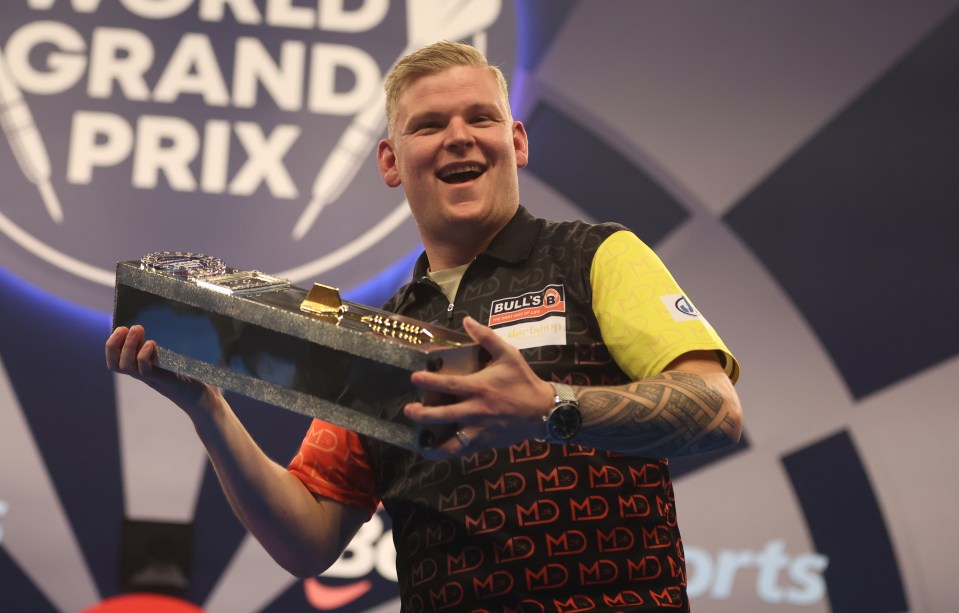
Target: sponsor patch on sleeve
680	307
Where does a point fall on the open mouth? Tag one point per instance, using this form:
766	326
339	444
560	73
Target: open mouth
460	173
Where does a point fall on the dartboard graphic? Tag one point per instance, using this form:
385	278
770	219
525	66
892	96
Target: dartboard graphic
793	167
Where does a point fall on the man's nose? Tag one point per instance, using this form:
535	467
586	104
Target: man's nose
458	134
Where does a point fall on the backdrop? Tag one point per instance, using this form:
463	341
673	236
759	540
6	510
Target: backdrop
793	162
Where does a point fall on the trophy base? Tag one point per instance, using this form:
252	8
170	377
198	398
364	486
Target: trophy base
246	332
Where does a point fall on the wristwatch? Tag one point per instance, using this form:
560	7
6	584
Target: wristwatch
564	420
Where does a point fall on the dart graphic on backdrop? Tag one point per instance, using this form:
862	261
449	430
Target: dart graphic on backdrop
211	124
21	131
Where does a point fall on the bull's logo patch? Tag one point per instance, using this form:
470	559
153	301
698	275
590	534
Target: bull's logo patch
533	319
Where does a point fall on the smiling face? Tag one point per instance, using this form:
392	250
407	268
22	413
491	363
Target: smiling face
455	150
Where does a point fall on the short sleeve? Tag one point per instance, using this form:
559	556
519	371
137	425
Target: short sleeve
332	462
645	318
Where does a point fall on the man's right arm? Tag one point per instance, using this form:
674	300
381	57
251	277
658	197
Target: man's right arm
305	533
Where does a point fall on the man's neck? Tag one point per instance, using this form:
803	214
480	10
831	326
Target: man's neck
456	247
445	256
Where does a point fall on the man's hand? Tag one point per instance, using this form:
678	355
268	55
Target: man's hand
501	404
128	352
688	408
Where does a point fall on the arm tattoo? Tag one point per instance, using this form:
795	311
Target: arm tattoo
674	413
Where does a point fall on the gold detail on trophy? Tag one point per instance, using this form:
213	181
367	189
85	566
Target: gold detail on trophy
402	330
325	301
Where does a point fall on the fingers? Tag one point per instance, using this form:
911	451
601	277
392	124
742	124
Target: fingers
486	338
146	358
491	406
462	386
130	348
460	443
127	351
113	346
456	385
434	414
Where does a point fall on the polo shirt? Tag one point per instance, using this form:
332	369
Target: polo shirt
536	526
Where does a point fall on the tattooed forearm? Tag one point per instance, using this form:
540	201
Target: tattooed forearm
674	413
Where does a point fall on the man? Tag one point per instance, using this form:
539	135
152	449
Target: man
554	495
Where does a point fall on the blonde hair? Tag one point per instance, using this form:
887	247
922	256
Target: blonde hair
430	60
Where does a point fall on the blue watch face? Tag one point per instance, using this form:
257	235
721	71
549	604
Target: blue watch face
564	421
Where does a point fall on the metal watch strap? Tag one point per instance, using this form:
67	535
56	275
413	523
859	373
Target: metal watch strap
564	403
563	392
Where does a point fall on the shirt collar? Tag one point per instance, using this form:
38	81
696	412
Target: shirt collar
515	241
511	245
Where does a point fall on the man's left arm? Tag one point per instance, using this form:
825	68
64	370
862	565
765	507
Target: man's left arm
688	408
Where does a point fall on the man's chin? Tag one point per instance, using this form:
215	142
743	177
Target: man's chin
467	211
480	218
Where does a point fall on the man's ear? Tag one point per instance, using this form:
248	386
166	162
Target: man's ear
386	160
520	144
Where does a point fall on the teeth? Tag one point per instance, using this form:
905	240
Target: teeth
447	172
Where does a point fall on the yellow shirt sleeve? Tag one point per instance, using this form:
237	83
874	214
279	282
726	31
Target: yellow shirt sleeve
645	318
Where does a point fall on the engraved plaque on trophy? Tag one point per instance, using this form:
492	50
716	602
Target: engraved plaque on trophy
305	351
